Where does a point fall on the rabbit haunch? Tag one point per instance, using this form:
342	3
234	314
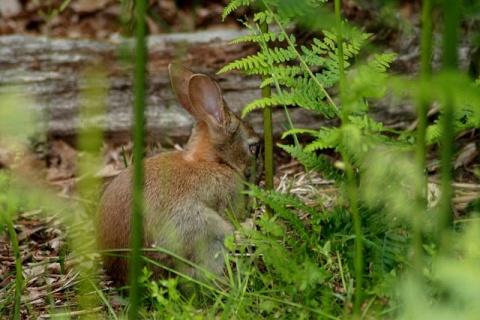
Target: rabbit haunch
186	192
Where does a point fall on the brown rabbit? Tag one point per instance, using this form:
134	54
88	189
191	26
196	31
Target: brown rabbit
186	192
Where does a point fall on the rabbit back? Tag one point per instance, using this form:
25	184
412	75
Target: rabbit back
185	203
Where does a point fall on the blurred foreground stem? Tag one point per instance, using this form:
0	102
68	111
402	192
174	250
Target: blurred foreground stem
422	110
138	176
351	187
451	13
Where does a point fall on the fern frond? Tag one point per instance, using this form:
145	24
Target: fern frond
313	56
263	17
326	138
433	134
267	82
295	131
381	62
232	6
465	118
249	38
254	64
315	162
280	55
282	205
286	76
274	100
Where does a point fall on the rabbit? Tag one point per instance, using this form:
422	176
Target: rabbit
186	193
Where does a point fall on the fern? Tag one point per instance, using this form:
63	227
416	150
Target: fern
304	91
274	100
326	138
282	205
385	243
466	111
302	73
254	64
234	5
257	38
318	163
465	118
381	62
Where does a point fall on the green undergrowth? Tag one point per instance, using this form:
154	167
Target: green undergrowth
314	262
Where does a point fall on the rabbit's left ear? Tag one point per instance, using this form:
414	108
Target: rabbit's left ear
206	97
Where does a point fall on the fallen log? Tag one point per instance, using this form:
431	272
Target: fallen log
54	73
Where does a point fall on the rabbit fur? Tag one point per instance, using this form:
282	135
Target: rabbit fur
186	193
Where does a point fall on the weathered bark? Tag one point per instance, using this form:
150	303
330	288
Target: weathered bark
52	72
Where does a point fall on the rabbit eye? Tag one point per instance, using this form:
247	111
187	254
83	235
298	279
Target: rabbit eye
253	148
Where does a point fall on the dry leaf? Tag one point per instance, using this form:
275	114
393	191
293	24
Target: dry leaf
31	272
110	170
62	160
433	196
54	268
467	155
88	6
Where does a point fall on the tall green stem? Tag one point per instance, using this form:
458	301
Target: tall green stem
451	11
138	177
425	76
268	131
352	189
422	110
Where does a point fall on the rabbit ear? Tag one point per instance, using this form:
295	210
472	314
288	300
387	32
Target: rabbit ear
179	77
206	97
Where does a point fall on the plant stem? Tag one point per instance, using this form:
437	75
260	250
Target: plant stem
264	47
351	187
451	10
423	105
268	132
138	177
